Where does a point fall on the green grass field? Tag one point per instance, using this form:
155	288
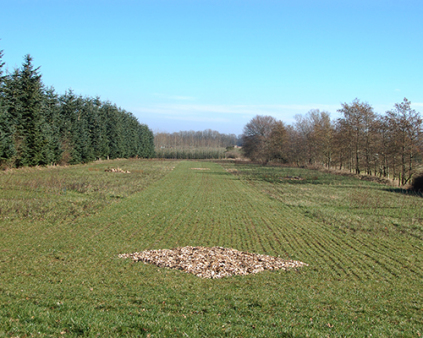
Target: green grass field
61	230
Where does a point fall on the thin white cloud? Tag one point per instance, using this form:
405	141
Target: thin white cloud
227	114
285	113
278	111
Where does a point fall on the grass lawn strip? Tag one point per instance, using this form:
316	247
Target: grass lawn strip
66	276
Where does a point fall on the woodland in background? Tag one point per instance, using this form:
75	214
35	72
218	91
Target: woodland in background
196	139
40	127
207	144
389	145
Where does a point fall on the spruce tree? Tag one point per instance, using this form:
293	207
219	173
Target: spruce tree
114	127
11	134
37	127
68	108
35	144
146	142
78	136
99	131
84	131
7	147
51	127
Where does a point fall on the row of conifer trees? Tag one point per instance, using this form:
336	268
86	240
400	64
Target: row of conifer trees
40	127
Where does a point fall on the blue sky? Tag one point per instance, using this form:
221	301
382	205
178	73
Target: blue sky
200	64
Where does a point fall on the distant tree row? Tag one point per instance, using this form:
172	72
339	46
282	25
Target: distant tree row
388	145
207	144
40	127
194	139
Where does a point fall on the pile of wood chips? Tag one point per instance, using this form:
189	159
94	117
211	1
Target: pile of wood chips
215	262
117	170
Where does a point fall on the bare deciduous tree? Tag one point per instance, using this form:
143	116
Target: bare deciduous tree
356	123
406	129
263	139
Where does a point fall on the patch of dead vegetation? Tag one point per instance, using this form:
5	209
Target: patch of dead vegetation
363	177
117	170
215	262
292	178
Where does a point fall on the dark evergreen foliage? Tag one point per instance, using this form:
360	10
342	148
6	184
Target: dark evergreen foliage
40	127
7	147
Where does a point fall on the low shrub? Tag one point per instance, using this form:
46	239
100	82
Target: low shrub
417	184
232	154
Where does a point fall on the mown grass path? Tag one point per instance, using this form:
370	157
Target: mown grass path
66	279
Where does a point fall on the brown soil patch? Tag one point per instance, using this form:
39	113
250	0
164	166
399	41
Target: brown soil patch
215	262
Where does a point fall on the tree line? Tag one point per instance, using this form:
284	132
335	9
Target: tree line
207	144
40	127
194	139
387	145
